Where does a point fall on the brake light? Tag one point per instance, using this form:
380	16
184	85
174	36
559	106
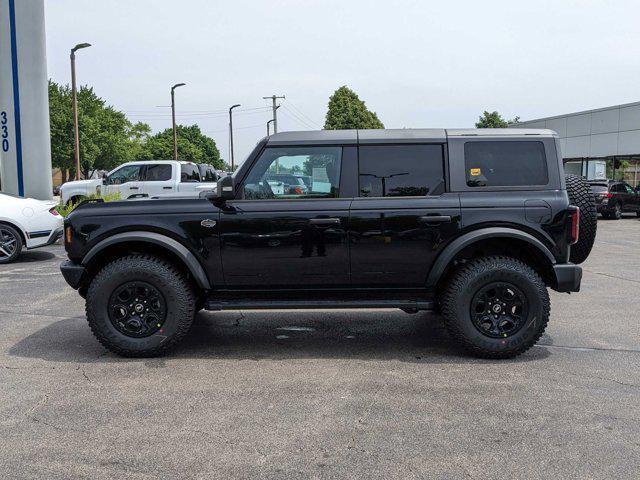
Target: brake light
609	195
575	225
54	212
297	190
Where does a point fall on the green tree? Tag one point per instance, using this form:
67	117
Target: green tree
193	146
107	138
347	111
494	120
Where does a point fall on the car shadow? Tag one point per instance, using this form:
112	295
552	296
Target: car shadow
30	256
283	335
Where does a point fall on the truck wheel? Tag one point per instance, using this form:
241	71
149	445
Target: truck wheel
140	306
496	307
10	244
581	195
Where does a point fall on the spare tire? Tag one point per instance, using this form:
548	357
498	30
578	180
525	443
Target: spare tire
581	195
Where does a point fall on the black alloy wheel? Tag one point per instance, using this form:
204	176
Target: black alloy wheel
137	309
499	309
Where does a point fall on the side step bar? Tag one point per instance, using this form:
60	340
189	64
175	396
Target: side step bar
243	304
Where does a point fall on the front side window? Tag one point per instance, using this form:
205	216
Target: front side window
401	170
158	173
189	173
128	173
276	173
505	164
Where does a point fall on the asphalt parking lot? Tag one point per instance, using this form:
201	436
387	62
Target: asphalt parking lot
349	394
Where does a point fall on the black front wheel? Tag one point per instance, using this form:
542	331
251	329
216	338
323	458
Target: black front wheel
617	212
496	307
140	306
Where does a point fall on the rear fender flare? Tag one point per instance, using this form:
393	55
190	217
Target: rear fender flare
182	252
451	250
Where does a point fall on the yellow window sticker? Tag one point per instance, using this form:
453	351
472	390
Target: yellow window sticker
475	172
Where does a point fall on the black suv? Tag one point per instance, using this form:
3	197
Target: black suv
475	224
613	198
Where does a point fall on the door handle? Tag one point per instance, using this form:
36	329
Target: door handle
134	188
166	188
324	221
435	219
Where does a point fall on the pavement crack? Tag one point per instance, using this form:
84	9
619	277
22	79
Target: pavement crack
612	276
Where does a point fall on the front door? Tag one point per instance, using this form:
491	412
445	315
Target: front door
124	181
402	217
277	238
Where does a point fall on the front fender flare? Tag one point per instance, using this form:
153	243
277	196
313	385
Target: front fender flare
188	258
474	236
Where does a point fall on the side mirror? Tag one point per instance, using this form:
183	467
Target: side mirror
225	190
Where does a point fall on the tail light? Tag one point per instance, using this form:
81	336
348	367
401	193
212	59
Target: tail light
575	225
608	195
297	190
54	212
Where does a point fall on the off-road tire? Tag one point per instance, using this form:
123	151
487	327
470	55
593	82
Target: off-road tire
172	284
581	195
10	231
464	283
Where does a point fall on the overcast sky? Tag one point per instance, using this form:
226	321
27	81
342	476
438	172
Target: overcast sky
415	63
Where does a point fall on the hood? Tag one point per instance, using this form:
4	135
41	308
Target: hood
28	202
82	183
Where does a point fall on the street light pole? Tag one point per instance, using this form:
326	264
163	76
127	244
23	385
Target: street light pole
231	133
173	120
268	123
74	106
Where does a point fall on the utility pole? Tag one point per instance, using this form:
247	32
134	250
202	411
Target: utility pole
274	98
173	120
231	133
74	106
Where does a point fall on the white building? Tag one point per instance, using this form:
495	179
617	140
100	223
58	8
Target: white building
589	139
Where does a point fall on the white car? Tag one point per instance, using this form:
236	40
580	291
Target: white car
149	178
26	223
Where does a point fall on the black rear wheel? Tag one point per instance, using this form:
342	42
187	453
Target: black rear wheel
496	307
10	244
581	195
140	306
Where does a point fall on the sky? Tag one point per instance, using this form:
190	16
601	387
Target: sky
416	64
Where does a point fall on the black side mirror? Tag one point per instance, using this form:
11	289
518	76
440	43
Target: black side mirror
225	190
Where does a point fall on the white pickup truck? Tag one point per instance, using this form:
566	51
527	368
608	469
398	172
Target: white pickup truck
150	178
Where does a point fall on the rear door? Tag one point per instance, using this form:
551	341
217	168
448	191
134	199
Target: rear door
273	238
402	216
158	178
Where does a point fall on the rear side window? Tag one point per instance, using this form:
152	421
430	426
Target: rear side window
158	173
401	170
189	173
599	188
505	164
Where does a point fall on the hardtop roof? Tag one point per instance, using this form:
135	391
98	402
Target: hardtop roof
397	135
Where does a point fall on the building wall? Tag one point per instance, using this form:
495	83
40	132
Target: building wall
605	132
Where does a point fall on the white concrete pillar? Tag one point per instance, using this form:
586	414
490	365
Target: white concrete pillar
25	144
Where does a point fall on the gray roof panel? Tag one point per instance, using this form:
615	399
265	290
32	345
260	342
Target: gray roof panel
500	132
314	137
402	135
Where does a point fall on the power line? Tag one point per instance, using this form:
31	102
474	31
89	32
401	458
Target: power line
297	118
313	122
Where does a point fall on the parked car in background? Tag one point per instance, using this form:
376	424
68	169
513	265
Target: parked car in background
26	223
614	197
208	173
293	185
148	178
